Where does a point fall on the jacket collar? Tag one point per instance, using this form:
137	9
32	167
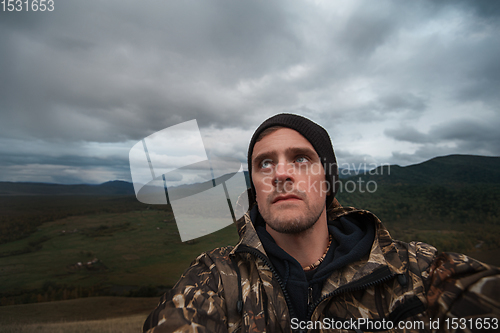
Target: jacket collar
248	234
383	251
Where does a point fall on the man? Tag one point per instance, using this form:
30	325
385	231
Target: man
304	263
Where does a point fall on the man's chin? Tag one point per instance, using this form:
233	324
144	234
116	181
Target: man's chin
293	225
290	219
286	218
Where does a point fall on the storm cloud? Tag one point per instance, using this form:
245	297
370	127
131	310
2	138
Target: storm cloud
392	82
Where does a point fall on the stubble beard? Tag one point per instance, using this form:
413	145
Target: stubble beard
291	225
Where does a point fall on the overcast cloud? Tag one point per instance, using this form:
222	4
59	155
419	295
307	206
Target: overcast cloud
393	82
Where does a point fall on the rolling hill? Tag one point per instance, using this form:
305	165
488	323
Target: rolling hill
451	169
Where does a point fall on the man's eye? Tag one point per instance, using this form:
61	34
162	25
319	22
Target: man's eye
301	159
265	164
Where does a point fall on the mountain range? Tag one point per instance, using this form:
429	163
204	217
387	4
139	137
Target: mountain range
443	170
451	169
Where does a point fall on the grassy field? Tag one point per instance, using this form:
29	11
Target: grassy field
126	251
104	248
95	314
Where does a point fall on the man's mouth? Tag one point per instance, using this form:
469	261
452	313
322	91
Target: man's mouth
287	197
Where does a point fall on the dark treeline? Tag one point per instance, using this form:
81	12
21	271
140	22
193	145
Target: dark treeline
21	215
453	218
405	209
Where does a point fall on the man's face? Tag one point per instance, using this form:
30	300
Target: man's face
289	181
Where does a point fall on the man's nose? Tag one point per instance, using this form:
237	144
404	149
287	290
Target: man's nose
283	173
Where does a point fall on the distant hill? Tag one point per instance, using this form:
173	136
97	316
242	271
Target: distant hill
347	173
451	169
116	187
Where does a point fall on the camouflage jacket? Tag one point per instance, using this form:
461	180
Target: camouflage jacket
398	287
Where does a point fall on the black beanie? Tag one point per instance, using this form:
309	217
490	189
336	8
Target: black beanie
315	134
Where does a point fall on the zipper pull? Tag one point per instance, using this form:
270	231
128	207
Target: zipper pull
310	296
403	281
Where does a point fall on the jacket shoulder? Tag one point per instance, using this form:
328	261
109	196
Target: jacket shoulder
196	299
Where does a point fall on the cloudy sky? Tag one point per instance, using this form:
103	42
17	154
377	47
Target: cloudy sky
393	82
